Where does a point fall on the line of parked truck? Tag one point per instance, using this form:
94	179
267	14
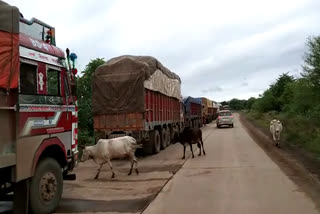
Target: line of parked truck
132	95
139	97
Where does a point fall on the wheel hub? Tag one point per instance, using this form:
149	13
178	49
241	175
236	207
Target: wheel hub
48	186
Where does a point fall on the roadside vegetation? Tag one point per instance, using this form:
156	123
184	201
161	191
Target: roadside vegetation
85	117
294	101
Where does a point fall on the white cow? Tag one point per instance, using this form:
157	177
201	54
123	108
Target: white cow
107	149
275	129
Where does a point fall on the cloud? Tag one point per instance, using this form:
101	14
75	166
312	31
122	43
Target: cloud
220	49
214	89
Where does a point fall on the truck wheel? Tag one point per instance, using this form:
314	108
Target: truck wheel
155	141
168	136
172	132
46	187
148	147
163	138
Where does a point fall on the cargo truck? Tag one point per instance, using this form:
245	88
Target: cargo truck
38	113
192	112
139	97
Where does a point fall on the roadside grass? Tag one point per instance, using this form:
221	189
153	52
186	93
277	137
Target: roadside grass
298	131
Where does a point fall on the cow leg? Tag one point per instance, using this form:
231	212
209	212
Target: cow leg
132	162
97	175
199	146
191	150
184	151
136	165
110	164
204	153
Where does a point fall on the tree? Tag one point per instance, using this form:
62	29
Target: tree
236	104
223	103
311	65
277	89
304	100
265	103
84	93
250	102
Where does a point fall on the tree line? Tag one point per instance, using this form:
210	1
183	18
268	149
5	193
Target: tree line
295	101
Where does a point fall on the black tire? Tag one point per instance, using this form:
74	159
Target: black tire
172	132
163	139
48	172
156	141
148	147
168	133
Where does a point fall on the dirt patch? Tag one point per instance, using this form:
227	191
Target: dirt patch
115	180
297	165
164	168
79	205
206	172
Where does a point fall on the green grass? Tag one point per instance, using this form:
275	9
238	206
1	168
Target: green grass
297	130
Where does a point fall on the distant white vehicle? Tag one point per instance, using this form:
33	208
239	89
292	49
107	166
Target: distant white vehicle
225	118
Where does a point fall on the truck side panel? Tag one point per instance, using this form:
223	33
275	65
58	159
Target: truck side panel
8	137
115	122
159	110
27	148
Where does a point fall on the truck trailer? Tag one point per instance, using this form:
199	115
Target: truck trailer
207	109
192	112
38	113
139	97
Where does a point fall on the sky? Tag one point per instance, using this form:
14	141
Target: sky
220	49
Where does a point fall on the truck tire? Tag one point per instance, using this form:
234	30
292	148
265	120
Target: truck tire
155	141
46	187
168	133
163	138
148	147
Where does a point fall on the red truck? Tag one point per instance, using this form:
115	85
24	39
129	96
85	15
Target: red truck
139	97
193	114
38	113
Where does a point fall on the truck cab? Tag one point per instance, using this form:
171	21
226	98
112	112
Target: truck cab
38	113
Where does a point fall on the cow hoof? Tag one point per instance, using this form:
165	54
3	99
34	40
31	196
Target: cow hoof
199	154
95	178
193	156
112	176
137	171
182	158
129	173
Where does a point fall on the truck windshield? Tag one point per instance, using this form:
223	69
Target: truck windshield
28	79
53	82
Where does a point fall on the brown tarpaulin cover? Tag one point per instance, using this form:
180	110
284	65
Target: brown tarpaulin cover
9	46
118	85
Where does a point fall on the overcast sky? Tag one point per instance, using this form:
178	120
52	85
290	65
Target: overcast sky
220	49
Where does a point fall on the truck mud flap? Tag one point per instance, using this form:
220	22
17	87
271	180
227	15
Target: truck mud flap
21	197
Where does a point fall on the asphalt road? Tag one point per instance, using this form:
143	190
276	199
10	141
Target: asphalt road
236	176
